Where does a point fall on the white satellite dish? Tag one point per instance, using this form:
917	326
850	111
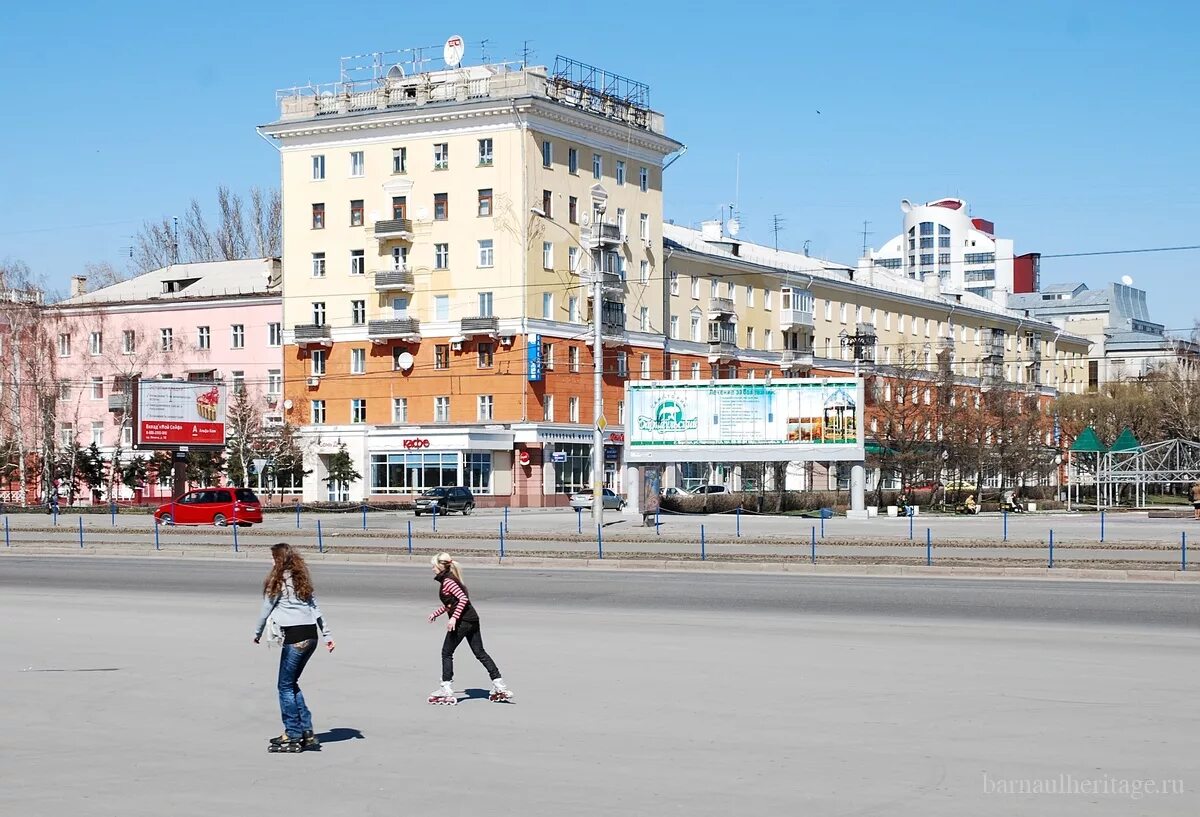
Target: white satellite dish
287	404
396	72
734	226
404	360
905	206
585	219
1127	280
453	51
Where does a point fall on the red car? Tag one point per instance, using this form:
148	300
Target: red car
212	506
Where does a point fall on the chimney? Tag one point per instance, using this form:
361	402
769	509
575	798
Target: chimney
78	285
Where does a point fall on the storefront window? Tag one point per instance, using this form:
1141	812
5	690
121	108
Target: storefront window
410	473
477	472
574	475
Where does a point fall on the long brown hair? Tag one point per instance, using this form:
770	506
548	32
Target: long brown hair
288	559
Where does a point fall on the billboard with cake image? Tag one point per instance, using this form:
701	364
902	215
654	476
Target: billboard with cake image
173	413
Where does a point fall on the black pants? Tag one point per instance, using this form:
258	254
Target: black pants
470	632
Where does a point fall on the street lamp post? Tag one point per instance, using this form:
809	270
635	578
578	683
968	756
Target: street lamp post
598	360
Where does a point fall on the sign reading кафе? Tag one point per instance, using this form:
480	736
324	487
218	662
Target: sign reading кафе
180	413
744	420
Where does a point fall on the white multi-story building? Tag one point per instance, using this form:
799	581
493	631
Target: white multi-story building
941	240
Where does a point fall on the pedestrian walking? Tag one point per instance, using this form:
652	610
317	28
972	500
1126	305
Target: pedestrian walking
289	601
462	626
1196	499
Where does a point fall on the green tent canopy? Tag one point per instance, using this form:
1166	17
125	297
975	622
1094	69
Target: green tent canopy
1088	443
1126	443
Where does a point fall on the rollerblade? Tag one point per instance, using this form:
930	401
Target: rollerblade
286	745
444	695
500	693
308	741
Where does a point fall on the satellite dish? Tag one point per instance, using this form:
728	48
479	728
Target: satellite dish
287	404
404	360
396	72
585	219
905	206
453	50
734	226
1127	280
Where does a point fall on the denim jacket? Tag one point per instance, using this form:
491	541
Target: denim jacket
289	611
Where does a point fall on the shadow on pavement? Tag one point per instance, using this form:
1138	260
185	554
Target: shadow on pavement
340	734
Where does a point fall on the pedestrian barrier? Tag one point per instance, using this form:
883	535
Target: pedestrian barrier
501	540
928	546
1051	547
320	539
81	532
702	554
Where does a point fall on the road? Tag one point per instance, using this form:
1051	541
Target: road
131	687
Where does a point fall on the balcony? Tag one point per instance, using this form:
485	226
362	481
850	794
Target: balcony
796	359
118	402
721	350
602	236
721	308
795	319
393	229
610	283
314	334
487	325
381	331
394	280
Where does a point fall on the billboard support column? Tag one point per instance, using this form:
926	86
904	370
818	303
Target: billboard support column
858	491
178	473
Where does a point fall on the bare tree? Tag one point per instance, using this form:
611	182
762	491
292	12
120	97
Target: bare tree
235	234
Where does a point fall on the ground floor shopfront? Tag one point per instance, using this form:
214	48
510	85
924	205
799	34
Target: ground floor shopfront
522	465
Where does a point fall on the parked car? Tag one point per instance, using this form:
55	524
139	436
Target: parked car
674	491
212	506
963	487
711	489
612	501
924	485
445	500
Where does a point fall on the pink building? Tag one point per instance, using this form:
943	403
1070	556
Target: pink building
212	321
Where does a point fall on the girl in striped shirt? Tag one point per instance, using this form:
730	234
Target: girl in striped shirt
462	626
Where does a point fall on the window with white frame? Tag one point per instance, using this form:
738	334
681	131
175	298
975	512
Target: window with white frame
318	313
644	272
714	288
573	358
750	296
484	408
597	166
731	291
620	412
318	167
317	411
696	328
622	223
766	299
485	152
749	337
441	409
573	259
317	361
487	251
237	336
97	432
358	361
548	408
358	262
644	178
358	165
644	318
274	382
97	388
441	256
64	344
573	161
695	370
485	356
358	410
547	255
673	280
572	409
203	337
166	339
620	172
400	160
622	364
274	334
644	364
573	308
828	310
126	435
485	304
548	356
842	313
399	409
674	327
96	343
767	344
128	341
441	156
547	305
239	381
318	265
674	369
547	153
441	307
644	226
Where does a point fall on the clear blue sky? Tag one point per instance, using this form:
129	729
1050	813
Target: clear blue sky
1074	126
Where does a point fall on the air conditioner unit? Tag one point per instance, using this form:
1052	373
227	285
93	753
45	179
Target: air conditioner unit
457	345
649	242
507	340
313	382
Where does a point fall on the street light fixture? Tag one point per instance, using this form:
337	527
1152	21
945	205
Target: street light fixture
598	359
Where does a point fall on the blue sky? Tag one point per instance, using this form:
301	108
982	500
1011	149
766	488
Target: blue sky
1073	126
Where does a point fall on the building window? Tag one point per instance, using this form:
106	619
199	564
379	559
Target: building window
696	327
548	408
399	207
66	434
96	343
573	259
547	153
358	262
644	179
357	164
166	339
358	410
572	409
486	253
944	258
399	160
485	356
356	212
317	410
274	334
547	255
645	367
842	313
767	339
547	305
644	226
621	412
237	336
714	288
622	226
548	203
573	358
485	304
926	259
674	327
441	356
673	281
620	173
97	388
695	371
644	318
573	209
644	272
97	432
441	409
318	216
548	356
358	361
441	206
484	407
128	341
485	202
674	369
318	313
239	381
274	382
573	308
318	265
441	256
318	168
622	366
441	307
597	166
749	337
477	471
317	359
573	161
750	296
399	409
485	152
926	228
441	156
927	242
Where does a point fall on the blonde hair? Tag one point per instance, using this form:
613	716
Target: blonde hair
447	561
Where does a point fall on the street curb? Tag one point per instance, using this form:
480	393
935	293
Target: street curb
671	565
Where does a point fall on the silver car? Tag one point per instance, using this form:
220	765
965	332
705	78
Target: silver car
612	501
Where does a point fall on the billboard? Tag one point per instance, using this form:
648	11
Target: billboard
173	413
744	420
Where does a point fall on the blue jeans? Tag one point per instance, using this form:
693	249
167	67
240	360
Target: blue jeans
296	717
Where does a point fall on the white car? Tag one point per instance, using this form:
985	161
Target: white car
711	489
612	501
675	491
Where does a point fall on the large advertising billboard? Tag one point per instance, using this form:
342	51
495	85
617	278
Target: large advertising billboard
744	420
173	413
